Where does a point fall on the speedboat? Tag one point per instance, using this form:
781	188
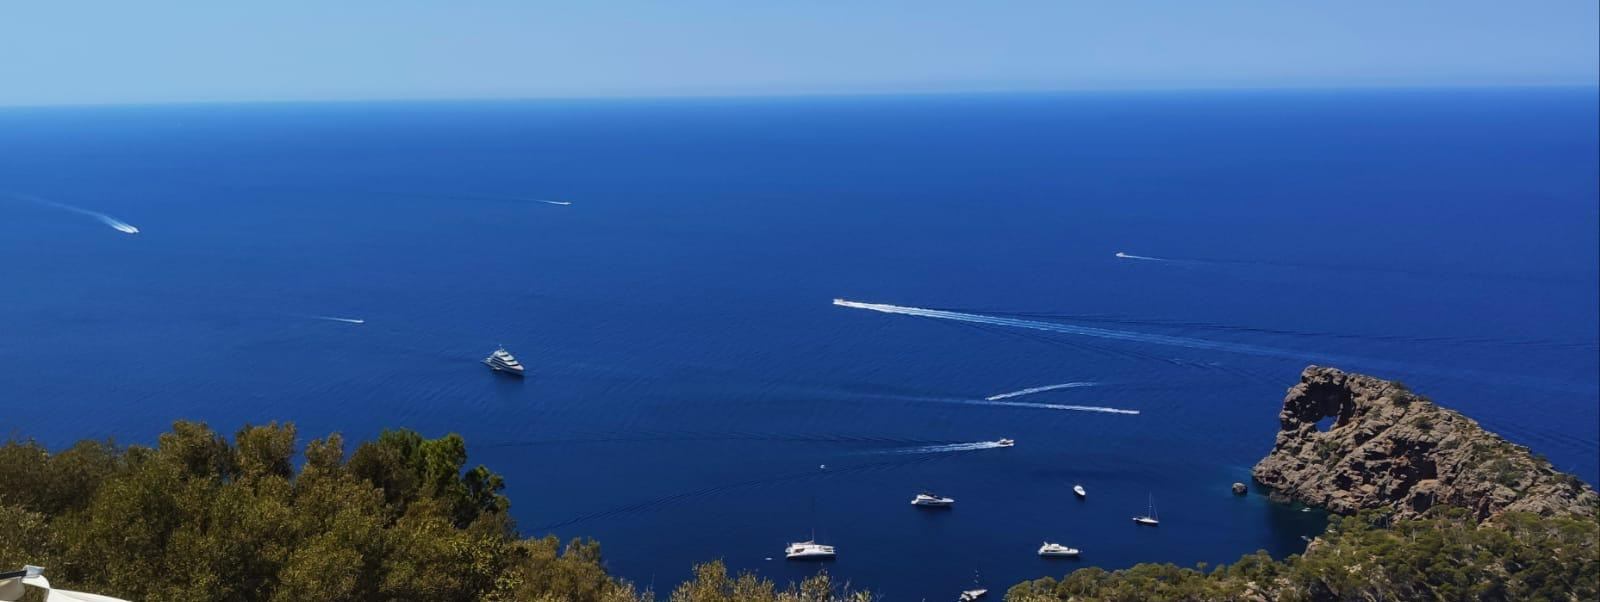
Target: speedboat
808	550
1150	518
972	594
1055	550
1078	491
1005	443
502	361
932	500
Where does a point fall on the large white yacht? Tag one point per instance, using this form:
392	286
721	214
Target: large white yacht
502	361
932	500
1055	550
808	550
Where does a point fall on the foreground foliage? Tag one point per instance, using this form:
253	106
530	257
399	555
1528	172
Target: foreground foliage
1447	556
200	518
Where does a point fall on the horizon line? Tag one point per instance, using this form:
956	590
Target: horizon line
801	95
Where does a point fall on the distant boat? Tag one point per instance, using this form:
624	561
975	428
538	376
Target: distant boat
976	592
932	500
1150	517
1005	443
1078	491
502	361
808	550
1055	550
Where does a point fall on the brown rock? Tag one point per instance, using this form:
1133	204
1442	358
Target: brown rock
1390	448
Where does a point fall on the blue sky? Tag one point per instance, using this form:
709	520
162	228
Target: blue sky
73	52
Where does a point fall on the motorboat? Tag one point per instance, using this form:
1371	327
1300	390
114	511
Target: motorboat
972	594
1005	443
1079	491
502	361
932	500
1055	550
808	550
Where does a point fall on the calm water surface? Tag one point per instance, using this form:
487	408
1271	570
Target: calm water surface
693	392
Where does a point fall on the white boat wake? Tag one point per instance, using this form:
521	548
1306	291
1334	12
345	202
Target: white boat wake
116	224
561	203
1122	255
1208	345
1052	406
945	448
1141	337
338	319
1032	390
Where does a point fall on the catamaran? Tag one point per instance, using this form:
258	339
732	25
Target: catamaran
1055	550
808	550
1149	517
502	361
932	500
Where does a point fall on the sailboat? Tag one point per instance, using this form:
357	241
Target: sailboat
1149	517
809	549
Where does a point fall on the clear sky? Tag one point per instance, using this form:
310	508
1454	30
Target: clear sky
73	52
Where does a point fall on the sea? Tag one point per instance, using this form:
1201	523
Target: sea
1125	283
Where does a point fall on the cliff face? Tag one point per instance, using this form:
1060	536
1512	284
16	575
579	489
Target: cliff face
1388	447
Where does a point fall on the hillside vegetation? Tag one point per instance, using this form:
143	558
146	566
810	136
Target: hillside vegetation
1448	556
201	518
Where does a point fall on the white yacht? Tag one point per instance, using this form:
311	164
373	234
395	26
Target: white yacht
932	500
1150	518
502	361
1055	550
1005	443
1078	491
976	592
808	550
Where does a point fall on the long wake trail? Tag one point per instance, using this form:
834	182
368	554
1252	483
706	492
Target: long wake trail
1052	406
1207	345
943	448
116	224
1121	255
338	319
1032	390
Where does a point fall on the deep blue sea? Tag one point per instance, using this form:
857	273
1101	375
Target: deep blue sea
695	394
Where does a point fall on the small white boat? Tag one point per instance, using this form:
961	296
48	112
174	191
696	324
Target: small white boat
1150	518
976	592
1005	443
1055	550
808	550
1078	491
932	500
502	361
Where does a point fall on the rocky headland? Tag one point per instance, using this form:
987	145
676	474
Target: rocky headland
1387	447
